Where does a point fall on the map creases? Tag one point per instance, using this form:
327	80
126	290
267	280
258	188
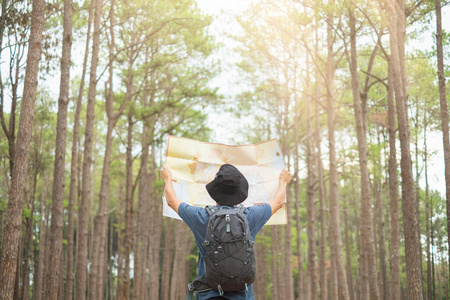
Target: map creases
195	163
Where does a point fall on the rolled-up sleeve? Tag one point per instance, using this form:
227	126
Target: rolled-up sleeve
192	216
258	216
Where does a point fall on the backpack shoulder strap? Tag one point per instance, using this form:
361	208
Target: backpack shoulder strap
241	208
210	209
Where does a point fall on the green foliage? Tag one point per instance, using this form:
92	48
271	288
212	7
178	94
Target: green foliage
3	205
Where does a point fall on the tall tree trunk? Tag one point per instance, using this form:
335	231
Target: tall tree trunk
260	285
334	185
141	232
101	230
393	190
119	280
347	254
111	274
363	267
168	259
179	278
38	279
287	278
140	248
178	259
444	115
155	229
156	226
113	117
74	167
25	289
311	197
367	230
297	209
334	285
25	294
100	235
128	210
16	295
56	230
384	291
83	215
427	209
91	221
410	222
13	224
323	238
273	266
432	256
129	201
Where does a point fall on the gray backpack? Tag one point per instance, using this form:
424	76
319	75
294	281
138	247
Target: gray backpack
230	260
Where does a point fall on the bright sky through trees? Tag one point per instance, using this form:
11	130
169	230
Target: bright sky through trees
224	24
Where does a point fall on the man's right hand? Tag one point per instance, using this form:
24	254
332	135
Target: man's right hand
280	195
166	174
285	176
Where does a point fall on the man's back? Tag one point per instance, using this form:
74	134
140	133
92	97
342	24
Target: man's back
197	218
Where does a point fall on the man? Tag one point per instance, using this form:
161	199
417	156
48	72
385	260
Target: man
229	188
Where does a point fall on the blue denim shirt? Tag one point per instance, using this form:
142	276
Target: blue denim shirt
197	219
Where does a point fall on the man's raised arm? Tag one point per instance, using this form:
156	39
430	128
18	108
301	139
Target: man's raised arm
171	198
277	202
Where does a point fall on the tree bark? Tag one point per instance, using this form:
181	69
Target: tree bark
100	235
38	279
334	285
13	224
156	226
410	222
74	167
273	266
287	278
101	231
427	210
119	280
367	230
347	254
432	257
141	232
128	209
311	197
296	184
178	259
384	291
56	227
393	191
335	229
323	238
260	285
168	260
28	241
444	114
83	215
25	288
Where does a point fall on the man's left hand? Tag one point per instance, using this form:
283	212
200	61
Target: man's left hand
166	174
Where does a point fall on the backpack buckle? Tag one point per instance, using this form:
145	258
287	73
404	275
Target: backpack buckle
191	286
219	289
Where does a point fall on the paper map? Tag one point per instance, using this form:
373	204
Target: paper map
194	164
